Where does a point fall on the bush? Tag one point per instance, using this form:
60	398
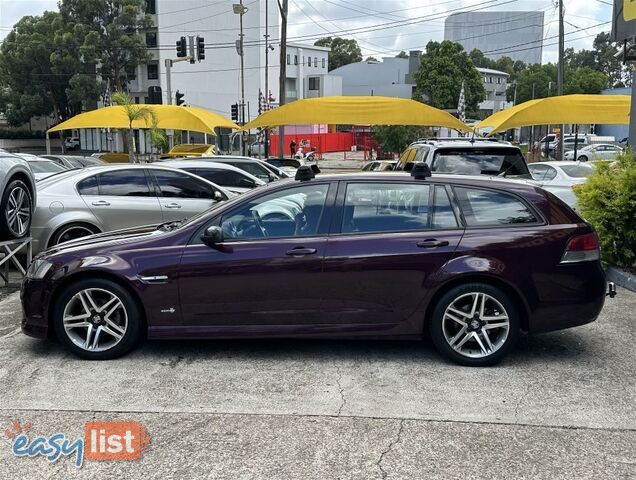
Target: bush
608	201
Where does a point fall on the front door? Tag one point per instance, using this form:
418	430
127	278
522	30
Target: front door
267	274
181	194
123	199
391	241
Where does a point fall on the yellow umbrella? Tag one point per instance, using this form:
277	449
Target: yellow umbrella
168	117
356	111
578	109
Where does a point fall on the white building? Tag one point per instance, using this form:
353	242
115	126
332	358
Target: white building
495	84
389	78
307	73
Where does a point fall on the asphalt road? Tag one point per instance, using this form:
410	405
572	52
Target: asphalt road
563	405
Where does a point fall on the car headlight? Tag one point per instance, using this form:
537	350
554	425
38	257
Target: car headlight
38	268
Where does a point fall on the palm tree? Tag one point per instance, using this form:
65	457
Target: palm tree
134	112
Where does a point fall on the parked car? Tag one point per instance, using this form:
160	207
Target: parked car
465	157
253	166
17	196
78	203
233	179
469	261
287	165
43	167
561	178
379	166
72	143
601	151
74	161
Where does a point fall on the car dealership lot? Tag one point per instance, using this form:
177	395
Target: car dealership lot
561	405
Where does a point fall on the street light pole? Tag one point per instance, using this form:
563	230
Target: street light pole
283	71
241	35
560	72
266	136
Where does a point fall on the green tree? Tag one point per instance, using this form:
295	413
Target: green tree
584	80
606	60
38	60
108	31
395	138
134	112
371	59
343	51
533	82
444	67
402	54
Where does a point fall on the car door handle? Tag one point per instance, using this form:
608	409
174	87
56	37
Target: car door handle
172	205
101	203
301	251
432	243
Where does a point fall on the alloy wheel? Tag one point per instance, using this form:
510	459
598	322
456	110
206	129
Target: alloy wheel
476	325
95	319
73	233
18	211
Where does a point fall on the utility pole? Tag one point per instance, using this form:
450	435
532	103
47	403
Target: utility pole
266	136
283	71
241	35
560	73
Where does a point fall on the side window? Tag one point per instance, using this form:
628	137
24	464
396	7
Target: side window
180	185
293	212
550	173
386	207
421	154
253	169
538	171
225	178
487	208
443	215
88	186
124	183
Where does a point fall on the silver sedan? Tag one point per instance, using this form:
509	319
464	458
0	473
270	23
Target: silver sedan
78	203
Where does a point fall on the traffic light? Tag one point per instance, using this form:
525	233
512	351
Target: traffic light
235	112
200	48
182	47
178	97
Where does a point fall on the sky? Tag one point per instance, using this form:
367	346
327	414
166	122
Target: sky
394	25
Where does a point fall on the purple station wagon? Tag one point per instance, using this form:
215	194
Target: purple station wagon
470	261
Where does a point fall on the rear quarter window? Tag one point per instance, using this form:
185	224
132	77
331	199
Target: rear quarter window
492	208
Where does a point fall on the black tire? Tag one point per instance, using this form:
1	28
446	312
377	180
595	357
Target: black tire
133	313
458	293
7	231
66	232
582	158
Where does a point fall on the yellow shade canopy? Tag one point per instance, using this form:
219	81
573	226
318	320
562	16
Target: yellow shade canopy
356	111
168	117
566	109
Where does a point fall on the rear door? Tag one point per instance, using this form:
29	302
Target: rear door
182	195
121	199
388	242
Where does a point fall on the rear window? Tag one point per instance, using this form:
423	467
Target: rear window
578	171
488	208
482	161
45	167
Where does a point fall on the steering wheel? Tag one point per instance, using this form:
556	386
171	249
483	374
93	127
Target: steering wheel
259	222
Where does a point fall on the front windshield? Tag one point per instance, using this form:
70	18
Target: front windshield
486	161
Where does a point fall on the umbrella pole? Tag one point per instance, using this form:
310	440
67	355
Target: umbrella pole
576	139
48	144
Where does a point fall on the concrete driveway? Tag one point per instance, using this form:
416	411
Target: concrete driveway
563	405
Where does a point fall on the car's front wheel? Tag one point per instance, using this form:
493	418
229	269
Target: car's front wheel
97	319
582	158
474	324
16	211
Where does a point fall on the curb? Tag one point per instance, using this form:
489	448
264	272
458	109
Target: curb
621	278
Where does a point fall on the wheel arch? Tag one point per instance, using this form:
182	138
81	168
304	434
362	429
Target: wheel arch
28	181
494	281
71	221
93	274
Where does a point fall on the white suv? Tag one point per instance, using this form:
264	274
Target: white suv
72	143
464	156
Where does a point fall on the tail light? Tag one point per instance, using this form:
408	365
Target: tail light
582	248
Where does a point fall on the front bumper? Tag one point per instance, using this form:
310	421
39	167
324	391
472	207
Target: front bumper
35	296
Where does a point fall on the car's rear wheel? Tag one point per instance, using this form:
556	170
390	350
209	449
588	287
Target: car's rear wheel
72	231
16	208
97	319
474	324
582	158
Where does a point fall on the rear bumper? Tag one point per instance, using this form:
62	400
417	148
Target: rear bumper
572	295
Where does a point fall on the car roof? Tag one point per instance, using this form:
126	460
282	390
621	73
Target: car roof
204	162
562	163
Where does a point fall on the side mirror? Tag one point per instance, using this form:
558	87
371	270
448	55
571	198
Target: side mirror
218	196
212	236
